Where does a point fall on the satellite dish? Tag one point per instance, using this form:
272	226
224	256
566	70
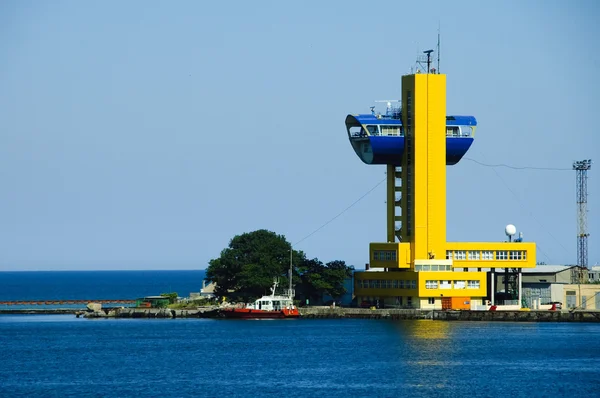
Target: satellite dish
510	230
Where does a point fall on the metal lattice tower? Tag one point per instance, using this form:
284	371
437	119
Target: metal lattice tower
582	167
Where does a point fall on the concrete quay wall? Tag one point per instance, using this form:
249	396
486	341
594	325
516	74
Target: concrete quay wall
337	313
507	316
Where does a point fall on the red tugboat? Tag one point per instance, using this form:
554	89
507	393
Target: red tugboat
266	307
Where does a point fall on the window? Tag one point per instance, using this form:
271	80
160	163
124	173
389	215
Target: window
466	131
431	300
460	255
413	284
394	284
446	285
373	130
448	254
435	267
409	301
487	255
384	255
516	255
474	255
452	131
401	284
459	284
390	130
473	285
431	284
501	255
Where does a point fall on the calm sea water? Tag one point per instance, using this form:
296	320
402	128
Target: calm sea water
60	355
96	285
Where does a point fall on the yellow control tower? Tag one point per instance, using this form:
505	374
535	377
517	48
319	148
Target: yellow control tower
417	267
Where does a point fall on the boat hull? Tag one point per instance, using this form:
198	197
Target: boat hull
246	313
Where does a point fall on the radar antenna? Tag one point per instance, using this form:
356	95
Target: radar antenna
428	53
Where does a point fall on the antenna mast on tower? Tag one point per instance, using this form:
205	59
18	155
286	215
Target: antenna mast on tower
581	167
438	50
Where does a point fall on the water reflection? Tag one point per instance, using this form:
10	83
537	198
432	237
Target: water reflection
426	329
427	351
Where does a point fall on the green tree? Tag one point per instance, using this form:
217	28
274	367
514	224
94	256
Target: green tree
335	273
246	268
319	279
171	296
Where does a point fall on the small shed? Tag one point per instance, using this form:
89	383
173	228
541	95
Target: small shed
152	302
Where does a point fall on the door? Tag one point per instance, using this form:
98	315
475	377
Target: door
571	300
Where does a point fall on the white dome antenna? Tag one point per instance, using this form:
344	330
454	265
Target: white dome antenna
510	230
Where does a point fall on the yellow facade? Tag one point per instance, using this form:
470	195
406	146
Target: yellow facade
492	254
390	255
416	285
423	268
424	165
584	296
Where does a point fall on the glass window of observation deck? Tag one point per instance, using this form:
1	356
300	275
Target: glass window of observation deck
391	130
466	131
452	131
373	130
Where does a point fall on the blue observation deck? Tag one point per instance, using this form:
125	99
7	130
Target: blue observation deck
379	139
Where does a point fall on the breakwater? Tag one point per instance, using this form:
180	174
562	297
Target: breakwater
333	313
125	312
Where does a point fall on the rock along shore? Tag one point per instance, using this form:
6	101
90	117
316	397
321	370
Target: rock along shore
332	313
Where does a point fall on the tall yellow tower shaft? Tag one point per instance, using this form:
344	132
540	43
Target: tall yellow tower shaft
424	165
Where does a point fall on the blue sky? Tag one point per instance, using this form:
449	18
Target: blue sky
145	135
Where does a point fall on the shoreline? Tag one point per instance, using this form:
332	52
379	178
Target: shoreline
587	316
